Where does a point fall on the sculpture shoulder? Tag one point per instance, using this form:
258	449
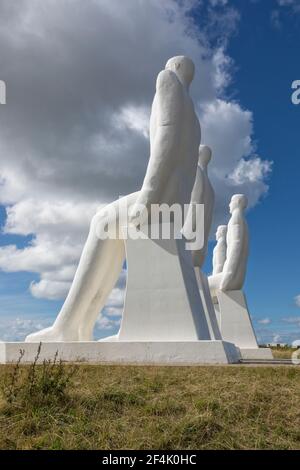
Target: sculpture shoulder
167	82
169	99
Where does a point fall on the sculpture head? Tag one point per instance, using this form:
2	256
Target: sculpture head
204	156
221	232
238	201
183	67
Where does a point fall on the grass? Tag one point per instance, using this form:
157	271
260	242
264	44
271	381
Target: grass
283	353
131	407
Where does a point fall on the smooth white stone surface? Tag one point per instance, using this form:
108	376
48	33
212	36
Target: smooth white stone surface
162	301
257	353
208	306
233	273
175	137
202	193
219	253
234	319
172	353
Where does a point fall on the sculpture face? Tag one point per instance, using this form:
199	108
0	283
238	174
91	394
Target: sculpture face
221	232
204	156
238	201
183	67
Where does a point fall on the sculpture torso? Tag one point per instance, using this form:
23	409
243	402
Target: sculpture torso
203	193
173	102
237	233
219	255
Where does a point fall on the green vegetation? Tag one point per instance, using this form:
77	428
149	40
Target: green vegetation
57	406
283	353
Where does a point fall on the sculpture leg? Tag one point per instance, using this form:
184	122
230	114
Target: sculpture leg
98	270
106	281
214	283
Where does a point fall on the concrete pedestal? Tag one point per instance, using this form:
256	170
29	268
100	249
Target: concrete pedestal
236	326
162	300
126	352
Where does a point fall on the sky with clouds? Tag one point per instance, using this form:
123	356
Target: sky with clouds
80	79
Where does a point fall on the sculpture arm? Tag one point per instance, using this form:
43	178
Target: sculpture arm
164	147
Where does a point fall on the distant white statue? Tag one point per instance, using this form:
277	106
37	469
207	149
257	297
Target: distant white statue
202	193
233	273
226	283
174	142
219	253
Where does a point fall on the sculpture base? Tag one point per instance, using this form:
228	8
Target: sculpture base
256	353
118	352
234	319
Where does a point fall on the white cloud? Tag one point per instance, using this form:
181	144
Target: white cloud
284	6
297	300
74	134
235	167
105	323
285	3
292	320
264	321
215	3
252	171
16	329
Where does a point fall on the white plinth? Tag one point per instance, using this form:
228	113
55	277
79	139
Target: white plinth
236	325
208	304
256	353
162	301
234	319
168	353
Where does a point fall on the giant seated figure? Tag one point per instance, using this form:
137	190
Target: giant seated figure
169	179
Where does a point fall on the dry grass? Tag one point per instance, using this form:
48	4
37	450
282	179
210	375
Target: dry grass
283	353
128	407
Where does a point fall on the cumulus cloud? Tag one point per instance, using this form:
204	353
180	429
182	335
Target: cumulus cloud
293	3
264	321
16	329
284	6
235	167
297	300
74	132
292	320
215	3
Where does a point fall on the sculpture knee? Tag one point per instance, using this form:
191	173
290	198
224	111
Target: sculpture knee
214	282
105	224
98	221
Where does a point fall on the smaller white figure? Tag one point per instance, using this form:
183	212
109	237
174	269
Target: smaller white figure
219	253
202	193
233	273
226	283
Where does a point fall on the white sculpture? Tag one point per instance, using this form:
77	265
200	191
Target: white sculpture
233	273
227	281
202	193
174	142
219	253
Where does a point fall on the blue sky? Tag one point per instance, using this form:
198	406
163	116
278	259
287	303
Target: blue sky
260	41
265	56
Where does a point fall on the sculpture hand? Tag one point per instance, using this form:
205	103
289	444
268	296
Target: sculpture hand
138	214
225	283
